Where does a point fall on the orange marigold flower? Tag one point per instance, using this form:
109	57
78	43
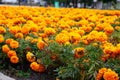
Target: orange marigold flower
109	30
19	35
14	59
40	44
5	48
100	73
11	53
8	40
1	38
25	30
41	68
78	52
34	66
13	30
14	44
110	75
49	31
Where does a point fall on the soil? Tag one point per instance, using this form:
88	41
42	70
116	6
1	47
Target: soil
31	75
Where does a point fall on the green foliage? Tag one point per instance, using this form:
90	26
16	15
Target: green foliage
23	74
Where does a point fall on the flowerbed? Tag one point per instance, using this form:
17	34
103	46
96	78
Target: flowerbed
76	44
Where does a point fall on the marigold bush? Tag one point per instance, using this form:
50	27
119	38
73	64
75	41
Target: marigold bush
78	43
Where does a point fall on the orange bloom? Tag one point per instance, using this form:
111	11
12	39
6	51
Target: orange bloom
19	35
25	30
74	37
14	59
13	30
41	68
5	48
11	53
1	38
30	57
14	44
8	40
49	31
62	38
78	52
34	41
34	28
40	44
34	66
110	75
100	73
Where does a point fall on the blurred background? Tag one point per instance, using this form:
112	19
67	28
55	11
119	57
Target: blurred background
97	4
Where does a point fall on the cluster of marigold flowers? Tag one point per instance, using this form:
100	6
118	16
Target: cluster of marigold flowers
107	74
68	26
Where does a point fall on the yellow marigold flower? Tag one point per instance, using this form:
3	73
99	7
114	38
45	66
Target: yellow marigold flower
30	57
14	59
2	30
1	38
75	37
34	41
62	38
14	44
28	38
34	28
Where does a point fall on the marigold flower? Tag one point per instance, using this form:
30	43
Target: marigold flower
14	44
110	75
1	38
74	37
78	52
40	44
5	48
2	30
8	40
11	53
25	29
41	68
14	59
62	38
30	57
19	35
49	31
13	30
34	66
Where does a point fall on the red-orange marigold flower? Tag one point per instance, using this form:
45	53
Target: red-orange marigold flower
11	53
